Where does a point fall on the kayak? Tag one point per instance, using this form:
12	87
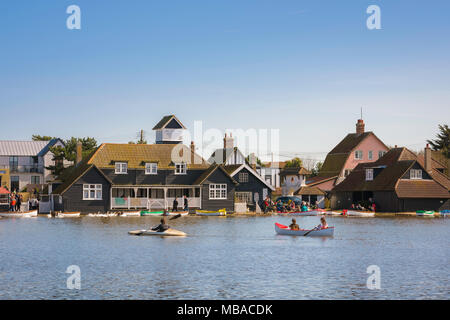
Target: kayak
424	213
221	212
168	232
352	213
175	213
152	213
284	230
26	214
130	214
68	215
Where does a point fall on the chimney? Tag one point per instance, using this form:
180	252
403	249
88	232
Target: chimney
228	142
427	158
252	161
192	152
360	126
79	151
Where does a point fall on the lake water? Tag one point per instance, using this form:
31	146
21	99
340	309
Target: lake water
224	258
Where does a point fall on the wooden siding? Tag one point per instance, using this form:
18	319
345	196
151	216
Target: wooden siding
218	176
254	185
73	197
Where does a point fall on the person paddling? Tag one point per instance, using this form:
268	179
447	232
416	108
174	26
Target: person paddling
163	226
323	224
294	225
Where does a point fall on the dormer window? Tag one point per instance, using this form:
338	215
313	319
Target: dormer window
180	168
358	155
151	168
121	168
369	174
415	174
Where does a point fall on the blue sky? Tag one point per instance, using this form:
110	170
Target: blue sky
305	67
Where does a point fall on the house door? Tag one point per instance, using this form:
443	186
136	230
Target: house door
15	183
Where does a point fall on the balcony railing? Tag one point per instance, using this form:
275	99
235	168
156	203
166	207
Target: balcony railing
24	169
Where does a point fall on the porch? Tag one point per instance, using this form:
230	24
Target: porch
154	197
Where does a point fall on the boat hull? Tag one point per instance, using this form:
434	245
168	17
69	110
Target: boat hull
211	213
152	213
68	215
27	214
168	233
427	214
363	214
175	213
131	214
284	230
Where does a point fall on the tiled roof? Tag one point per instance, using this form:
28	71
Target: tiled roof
316	180
165	121
232	168
309	191
421	189
333	165
136	155
21	148
280	164
350	142
209	171
294	171
220	156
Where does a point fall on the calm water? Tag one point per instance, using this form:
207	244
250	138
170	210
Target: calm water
224	258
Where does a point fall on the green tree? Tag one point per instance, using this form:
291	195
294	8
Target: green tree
258	161
36	137
442	141
294	163
141	138
315	171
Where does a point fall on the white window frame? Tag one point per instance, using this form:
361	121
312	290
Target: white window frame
151	168
243	177
415	174
180	168
217	191
95	188
243	196
370	155
121	168
369	174
358	153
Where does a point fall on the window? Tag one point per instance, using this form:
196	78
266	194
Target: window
243	177
370	155
381	153
180	168
35	180
217	191
14	183
13	163
369	174
358	155
92	192
268	178
121	167
243	197
151	168
415	174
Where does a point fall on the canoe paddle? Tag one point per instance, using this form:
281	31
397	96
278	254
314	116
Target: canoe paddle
309	232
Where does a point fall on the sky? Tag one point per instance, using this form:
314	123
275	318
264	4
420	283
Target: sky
303	67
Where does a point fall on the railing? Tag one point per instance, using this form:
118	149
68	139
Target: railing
144	203
24	169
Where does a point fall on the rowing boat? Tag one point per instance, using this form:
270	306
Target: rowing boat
351	213
425	213
26	214
175	213
284	230
102	215
68	215
221	212
152	213
130	214
168	232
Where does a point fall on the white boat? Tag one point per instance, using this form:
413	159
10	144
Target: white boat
168	232
304	213
285	230
333	213
130	214
221	212
102	215
68	215
12	214
351	213
175	213
424	213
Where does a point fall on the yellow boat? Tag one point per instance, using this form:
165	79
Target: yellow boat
221	212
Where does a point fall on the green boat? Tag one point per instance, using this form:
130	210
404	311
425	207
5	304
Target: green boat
425	213
152	213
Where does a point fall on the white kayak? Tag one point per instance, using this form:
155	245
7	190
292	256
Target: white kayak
284	230
130	214
12	214
168	232
351	213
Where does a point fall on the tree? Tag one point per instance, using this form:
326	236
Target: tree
36	137
258	161
315	171
442	142
294	163
141	138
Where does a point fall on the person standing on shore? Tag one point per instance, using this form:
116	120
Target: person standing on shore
175	205
19	202
186	206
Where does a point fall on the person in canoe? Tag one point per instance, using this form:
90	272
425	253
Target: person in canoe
294	225
323	224
163	226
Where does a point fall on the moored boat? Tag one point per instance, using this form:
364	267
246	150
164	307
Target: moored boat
445	213
285	230
12	214
130	214
221	212
168	232
175	213
102	215
152	213
351	213
425	213
67	215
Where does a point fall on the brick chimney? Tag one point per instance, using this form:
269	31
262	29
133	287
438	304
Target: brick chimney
427	158
360	126
228	142
79	152
192	152
252	159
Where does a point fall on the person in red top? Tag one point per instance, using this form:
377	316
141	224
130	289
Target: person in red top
373	207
